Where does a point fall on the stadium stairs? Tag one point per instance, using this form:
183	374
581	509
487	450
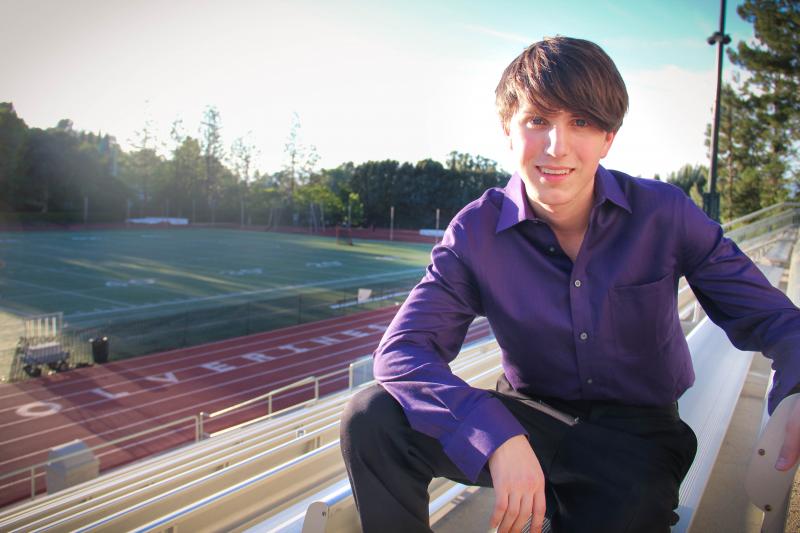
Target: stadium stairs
286	474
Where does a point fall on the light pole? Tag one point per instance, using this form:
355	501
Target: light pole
711	198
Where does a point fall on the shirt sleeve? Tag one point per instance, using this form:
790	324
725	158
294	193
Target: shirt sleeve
737	297
412	359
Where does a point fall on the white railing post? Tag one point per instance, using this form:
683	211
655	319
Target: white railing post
199	427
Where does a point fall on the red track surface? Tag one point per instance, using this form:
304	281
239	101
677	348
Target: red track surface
103	403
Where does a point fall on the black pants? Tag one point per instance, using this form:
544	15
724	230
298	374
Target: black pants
617	470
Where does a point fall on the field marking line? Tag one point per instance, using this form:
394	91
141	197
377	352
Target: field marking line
244	344
65	272
47	290
189	301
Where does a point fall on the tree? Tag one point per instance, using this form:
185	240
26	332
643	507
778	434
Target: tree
187	171
301	158
243	151
772	91
691	180
774	59
741	139
13	134
142	166
213	154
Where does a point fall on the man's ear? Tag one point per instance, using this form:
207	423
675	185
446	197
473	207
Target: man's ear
609	140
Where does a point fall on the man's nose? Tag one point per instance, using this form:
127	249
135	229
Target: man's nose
557	141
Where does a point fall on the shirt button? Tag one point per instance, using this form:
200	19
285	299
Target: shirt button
577	283
552	249
584	335
589	381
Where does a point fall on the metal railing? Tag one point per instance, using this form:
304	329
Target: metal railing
199	421
198	427
787	213
269	396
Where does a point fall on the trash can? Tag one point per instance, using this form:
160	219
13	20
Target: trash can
99	349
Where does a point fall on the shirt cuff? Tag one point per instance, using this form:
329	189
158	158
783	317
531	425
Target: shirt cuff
479	435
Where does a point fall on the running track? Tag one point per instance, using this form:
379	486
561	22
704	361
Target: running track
103	403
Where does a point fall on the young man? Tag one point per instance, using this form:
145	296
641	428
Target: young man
576	268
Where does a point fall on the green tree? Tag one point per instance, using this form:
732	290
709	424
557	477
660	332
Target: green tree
213	154
13	134
188	169
691	179
301	158
772	91
773	59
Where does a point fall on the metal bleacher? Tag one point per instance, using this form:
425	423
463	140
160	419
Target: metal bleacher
131	496
285	473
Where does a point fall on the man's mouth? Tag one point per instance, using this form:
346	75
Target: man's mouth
554	172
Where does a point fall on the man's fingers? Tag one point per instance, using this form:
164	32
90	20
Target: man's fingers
524	513
500	505
790	451
512	511
539	509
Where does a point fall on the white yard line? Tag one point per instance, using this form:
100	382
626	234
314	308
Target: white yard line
283	288
72	293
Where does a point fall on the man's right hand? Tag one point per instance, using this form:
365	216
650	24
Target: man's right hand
519	486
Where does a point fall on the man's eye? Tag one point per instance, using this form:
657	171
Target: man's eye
581	122
536	121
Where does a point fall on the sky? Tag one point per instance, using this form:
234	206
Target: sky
368	79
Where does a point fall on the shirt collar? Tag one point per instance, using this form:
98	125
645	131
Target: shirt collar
516	208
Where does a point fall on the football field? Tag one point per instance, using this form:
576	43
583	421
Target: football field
155	277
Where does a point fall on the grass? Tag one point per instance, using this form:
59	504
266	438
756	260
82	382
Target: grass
184	281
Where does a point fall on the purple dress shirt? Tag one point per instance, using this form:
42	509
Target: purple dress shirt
604	328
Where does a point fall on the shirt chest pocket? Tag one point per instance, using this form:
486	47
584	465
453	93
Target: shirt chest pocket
643	316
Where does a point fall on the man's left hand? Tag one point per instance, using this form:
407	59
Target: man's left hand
790	451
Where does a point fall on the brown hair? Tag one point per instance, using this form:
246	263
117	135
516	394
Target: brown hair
563	73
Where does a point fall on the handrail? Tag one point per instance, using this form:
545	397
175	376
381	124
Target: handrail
755	214
269	395
32	469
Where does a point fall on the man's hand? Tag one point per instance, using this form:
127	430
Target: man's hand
790	451
519	486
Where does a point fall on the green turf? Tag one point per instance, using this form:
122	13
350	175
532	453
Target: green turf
165	279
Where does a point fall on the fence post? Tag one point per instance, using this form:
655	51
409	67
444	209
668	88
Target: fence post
185	326
33	482
299	308
200	429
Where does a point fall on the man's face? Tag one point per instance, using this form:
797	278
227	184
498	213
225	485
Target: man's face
556	155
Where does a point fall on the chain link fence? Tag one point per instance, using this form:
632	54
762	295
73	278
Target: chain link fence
131	336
